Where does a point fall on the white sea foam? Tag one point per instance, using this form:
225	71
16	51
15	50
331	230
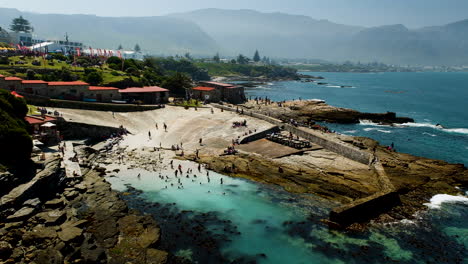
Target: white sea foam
458	130
370	123
350	132
370	129
333	86
384	131
450	130
439	199
429	134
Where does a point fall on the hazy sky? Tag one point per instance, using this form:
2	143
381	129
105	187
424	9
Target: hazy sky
412	13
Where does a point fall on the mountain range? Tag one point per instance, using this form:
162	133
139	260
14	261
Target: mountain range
277	35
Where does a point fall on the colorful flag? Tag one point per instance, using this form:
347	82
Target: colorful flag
78	52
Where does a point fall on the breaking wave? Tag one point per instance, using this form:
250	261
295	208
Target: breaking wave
439	199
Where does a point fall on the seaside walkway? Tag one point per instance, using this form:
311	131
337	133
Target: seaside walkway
358	210
70	161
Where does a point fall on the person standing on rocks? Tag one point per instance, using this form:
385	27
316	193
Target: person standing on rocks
149	135
165	127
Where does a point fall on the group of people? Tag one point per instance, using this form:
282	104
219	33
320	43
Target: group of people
237	124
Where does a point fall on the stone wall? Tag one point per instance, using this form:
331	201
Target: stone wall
364	209
72	130
360	210
259	135
338	147
45	101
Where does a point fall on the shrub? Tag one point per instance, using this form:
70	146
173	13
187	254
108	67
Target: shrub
30	74
15	142
94	78
4	60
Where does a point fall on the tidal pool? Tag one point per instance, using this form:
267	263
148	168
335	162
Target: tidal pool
240	221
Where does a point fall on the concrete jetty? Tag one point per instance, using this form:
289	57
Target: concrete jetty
359	210
70	161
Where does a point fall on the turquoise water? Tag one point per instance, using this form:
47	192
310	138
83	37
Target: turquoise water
240	221
429	98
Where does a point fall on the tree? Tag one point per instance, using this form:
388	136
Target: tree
120	47
94	78
20	25
188	56
30	74
256	57
241	59
216	58
137	48
178	83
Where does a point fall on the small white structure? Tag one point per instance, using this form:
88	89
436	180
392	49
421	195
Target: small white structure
56	46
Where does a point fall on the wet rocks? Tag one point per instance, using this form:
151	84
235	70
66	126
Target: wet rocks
87	222
21	214
70	233
54	217
5	249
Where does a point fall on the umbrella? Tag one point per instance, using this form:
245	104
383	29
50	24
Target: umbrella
48	124
16	94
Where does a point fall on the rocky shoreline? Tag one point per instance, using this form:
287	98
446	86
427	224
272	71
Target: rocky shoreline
307	111
82	221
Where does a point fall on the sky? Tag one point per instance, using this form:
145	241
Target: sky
411	13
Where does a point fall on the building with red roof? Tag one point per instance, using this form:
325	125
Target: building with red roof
145	95
36	87
75	83
11	83
225	92
76	90
102	94
206	94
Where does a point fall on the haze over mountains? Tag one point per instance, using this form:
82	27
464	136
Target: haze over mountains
277	35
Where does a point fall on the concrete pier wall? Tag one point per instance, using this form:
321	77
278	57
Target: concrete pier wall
259	135
360	210
338	147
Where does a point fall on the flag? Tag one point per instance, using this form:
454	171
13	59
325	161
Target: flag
78	52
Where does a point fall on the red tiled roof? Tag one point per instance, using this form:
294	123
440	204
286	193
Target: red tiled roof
13	79
33	81
147	89
219	84
67	83
99	88
38	119
201	88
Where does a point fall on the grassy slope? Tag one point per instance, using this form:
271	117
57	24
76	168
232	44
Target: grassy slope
58	65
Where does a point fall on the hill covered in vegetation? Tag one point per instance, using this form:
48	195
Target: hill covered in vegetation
15	142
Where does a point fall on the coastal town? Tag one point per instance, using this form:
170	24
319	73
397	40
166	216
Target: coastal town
137	159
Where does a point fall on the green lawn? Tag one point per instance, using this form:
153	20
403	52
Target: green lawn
32	110
28	64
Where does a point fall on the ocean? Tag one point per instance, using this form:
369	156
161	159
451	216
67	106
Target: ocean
242	221
429	98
